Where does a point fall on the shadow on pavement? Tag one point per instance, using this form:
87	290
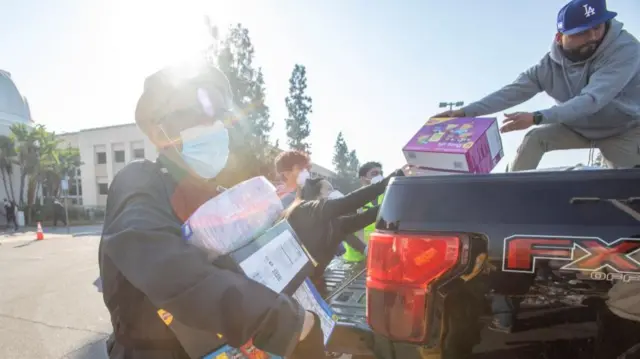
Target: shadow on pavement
87	234
26	244
94	350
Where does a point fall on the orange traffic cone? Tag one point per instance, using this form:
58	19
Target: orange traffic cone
39	233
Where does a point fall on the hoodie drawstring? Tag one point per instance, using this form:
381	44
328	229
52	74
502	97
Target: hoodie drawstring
585	71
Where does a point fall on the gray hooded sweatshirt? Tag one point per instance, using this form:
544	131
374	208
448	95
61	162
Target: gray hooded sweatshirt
597	98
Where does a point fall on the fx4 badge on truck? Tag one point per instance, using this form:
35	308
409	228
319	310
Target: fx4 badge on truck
584	254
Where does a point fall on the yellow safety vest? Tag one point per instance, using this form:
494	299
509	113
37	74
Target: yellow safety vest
351	254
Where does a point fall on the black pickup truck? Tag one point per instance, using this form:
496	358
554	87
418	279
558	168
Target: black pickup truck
444	246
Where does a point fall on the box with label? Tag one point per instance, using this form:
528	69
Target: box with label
276	259
463	145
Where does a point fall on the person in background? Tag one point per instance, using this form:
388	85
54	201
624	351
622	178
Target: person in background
293	168
324	218
322	224
10	212
5	209
186	111
369	173
58	213
320	188
593	73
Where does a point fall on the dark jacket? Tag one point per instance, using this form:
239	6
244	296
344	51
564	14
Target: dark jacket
145	265
322	224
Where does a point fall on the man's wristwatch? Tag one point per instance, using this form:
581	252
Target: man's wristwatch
537	118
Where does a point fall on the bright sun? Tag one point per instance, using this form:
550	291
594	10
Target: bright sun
153	33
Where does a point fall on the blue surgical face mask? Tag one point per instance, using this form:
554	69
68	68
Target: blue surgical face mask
205	149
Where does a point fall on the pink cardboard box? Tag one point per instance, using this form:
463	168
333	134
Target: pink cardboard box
462	145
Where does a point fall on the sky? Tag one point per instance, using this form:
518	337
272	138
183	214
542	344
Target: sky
376	69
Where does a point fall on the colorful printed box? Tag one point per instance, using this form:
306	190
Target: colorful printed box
456	145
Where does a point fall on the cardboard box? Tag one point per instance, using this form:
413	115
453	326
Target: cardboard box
415	171
276	259
463	145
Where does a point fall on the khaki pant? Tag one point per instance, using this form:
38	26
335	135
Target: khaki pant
618	151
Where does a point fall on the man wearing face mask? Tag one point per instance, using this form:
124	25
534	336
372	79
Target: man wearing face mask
369	173
593	73
145	265
293	167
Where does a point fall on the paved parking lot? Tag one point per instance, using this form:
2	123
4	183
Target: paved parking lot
49	307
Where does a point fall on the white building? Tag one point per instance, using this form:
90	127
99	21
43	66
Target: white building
14	108
106	150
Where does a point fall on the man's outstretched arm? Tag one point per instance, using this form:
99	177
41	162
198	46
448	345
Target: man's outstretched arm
522	89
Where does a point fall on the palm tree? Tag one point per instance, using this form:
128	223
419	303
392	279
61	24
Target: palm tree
64	167
41	161
27	153
7	159
47	163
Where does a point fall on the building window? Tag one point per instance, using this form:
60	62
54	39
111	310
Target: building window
103	188
75	187
118	156
101	158
138	153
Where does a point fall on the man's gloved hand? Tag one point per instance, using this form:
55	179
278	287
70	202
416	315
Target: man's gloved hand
397	173
312	346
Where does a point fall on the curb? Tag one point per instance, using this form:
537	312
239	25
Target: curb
29	236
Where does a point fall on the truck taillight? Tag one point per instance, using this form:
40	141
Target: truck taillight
400	270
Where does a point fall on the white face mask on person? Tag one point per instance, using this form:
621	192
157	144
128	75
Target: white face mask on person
205	149
377	179
303	176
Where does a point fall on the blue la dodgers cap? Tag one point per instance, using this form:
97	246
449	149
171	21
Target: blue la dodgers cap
581	15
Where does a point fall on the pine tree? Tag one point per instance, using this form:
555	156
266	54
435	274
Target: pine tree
341	156
354	164
346	165
299	107
251	150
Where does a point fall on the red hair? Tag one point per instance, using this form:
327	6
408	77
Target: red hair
288	159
